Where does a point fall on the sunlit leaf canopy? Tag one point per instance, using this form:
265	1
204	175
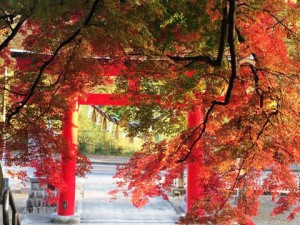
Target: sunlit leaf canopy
238	60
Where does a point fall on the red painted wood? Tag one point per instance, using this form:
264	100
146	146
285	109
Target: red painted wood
105	99
195	162
66	199
66	202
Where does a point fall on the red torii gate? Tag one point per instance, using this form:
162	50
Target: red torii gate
66	200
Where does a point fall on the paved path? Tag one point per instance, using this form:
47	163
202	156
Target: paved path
98	208
265	210
95	206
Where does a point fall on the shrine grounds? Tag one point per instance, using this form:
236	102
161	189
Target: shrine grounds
162	212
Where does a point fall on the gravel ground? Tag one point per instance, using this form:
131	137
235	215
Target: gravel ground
264	214
263	217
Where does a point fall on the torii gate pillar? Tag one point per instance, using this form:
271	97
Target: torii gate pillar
195	187
66	199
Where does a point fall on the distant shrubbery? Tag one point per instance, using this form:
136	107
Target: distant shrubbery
93	139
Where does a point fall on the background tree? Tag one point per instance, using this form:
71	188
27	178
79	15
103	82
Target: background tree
240	67
102	137
238	60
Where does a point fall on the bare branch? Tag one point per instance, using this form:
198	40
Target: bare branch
14	32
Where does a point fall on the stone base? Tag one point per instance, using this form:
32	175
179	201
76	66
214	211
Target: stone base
74	219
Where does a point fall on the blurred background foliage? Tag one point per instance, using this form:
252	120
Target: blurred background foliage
95	138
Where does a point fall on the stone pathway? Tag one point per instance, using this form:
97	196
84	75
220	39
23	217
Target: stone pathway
97	206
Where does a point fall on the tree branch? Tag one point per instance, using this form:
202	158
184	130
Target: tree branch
268	120
237	179
13	92
241	38
258	91
231	43
103	27
67	65
222	42
280	21
14	32
223	34
51	59
201	58
233	62
7	16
